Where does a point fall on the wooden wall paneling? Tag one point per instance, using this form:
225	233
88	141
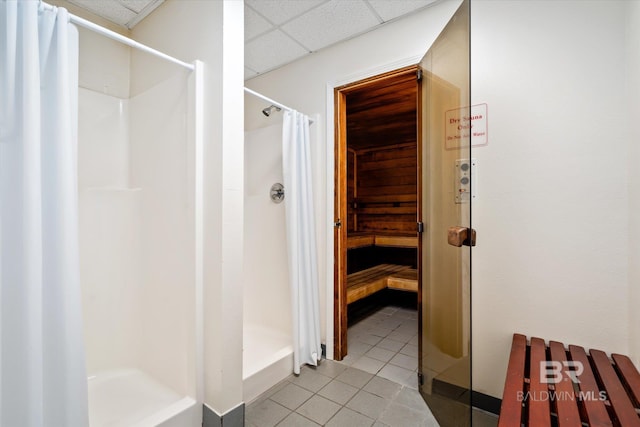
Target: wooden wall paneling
387	188
382	110
401	224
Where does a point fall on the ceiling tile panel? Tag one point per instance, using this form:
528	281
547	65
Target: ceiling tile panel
280	11
330	23
392	9
254	24
111	10
136	5
271	50
280	31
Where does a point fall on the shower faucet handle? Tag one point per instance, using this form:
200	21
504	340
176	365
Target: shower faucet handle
277	193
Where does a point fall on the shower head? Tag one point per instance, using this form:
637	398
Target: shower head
267	111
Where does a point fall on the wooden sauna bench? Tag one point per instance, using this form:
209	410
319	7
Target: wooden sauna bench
371	280
601	390
362	239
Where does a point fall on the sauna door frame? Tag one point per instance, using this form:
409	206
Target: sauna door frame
340	197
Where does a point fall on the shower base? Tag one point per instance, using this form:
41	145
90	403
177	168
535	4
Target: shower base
267	359
131	398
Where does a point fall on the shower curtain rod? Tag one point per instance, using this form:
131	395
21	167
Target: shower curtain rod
118	37
261	96
277	104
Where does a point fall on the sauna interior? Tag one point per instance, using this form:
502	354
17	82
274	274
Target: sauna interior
381	194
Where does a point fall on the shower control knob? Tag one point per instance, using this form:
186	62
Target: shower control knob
277	193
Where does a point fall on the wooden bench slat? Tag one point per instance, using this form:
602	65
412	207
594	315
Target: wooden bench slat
396	241
377	272
405	280
358	292
567	410
539	410
381	238
630	374
511	407
360	241
595	411
366	282
624	410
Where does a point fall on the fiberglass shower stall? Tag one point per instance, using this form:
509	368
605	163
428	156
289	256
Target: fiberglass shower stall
138	221
267	340
269	323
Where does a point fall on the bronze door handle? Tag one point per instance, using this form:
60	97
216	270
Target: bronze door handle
461	236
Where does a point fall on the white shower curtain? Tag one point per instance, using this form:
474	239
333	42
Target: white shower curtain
301	239
42	368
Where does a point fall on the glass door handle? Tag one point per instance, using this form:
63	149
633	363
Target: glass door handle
461	236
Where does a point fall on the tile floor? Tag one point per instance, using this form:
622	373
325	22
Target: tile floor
385	343
336	394
375	385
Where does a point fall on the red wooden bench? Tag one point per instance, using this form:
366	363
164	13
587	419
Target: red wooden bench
555	385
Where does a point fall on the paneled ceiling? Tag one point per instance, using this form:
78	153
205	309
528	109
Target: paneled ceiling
278	32
126	13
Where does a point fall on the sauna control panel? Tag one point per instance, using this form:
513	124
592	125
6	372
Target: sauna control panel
465	181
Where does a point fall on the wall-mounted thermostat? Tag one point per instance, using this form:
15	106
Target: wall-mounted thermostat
465	180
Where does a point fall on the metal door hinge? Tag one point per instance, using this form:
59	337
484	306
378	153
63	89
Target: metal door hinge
419	75
420	378
420	227
338	223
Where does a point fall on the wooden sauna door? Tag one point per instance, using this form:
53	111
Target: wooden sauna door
376	128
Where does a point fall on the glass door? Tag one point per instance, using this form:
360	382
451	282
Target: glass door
445	216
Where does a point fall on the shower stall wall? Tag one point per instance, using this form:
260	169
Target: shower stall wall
137	202
267	331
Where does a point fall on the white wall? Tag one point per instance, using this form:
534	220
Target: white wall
161	159
552	217
110	259
109	236
104	64
552	212
103	131
303	85
633	88
266	278
190	30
